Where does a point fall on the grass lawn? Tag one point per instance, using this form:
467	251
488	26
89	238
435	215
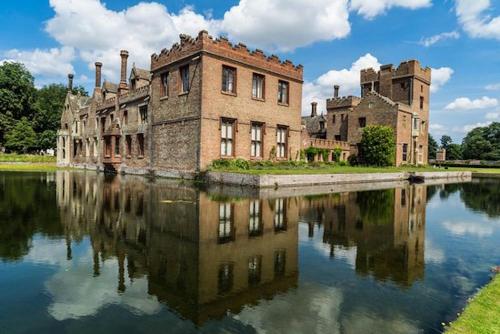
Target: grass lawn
482	314
28	167
11	157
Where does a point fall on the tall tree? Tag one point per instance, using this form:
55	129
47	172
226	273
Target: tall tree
16	95
446	141
454	152
433	147
21	138
483	143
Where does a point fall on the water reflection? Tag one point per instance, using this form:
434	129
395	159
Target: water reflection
387	227
203	255
223	259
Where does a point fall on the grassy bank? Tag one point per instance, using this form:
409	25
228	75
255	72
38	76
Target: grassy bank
28	167
482	314
10	157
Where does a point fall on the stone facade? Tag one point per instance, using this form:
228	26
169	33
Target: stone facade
394	97
201	100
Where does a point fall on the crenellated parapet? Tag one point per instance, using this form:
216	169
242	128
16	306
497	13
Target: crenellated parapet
405	68
221	47
342	102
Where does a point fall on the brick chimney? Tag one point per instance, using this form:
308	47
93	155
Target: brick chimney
98	67
314	109
123	72
336	89
70	82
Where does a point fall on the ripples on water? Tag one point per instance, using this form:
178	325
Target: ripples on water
83	253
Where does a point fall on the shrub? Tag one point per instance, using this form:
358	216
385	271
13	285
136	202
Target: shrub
352	160
337	151
377	146
231	164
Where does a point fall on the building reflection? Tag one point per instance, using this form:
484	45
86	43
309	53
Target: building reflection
203	255
385	227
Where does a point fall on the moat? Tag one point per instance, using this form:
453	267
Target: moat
82	252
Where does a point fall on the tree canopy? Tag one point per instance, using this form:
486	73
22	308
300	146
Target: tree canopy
25	108
377	146
483	143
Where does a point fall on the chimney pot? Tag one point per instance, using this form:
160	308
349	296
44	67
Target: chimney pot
98	66
70	82
314	109
123	71
336	89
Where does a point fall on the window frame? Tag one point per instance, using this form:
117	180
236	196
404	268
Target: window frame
404	152
280	93
224	139
362	122
164	84
259	141
140	145
128	146
263	87
284	144
182	83
224	85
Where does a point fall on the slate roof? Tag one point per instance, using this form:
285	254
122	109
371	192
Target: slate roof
110	87
313	124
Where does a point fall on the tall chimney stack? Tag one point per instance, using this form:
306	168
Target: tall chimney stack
314	109
336	89
70	82
123	71
98	67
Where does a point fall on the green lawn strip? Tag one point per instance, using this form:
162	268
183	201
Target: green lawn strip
28	167
10	157
482	314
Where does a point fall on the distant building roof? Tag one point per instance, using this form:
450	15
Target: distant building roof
313	125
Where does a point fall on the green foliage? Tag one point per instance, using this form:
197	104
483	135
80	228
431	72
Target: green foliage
433	147
337	151
446	141
483	143
21	138
454	152
46	140
377	146
16	95
33	158
236	164
312	152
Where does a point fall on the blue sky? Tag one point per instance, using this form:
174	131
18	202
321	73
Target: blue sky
333	39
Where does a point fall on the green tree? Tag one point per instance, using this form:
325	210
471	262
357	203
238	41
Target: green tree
16	95
446	141
483	143
433	147
21	138
454	152
377	146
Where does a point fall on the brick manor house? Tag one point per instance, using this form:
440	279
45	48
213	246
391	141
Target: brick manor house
206	99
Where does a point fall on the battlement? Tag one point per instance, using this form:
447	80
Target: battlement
405	68
342	102
222	47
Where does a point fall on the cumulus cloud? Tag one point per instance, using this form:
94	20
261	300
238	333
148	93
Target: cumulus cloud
493	116
53	62
469	127
475	20
440	76
437	129
348	80
481	228
371	8
286	24
493	86
464	103
429	41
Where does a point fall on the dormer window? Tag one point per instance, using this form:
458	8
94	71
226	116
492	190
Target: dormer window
321	125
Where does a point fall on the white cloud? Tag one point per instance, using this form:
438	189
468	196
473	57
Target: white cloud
493	86
440	76
55	62
371	8
348	80
286	24
493	116
429	41
475	20
98	33
478	228
464	103
437	129
470	127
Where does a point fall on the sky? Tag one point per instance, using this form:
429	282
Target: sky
332	39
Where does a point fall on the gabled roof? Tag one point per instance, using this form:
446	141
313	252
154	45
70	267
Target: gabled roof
140	73
109	87
384	98
313	123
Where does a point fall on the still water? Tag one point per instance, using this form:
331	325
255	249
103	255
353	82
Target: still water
81	253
